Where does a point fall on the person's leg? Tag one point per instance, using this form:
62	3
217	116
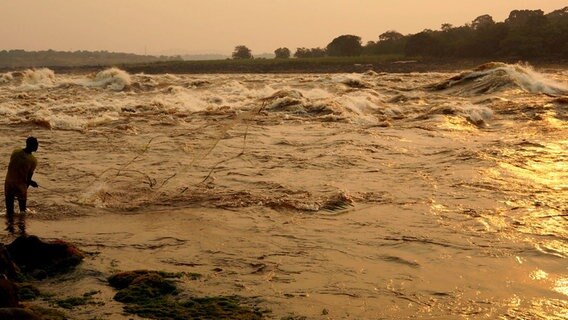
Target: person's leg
22	216
9	196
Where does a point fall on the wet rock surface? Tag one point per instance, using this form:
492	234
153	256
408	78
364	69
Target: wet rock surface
34	256
152	294
28	257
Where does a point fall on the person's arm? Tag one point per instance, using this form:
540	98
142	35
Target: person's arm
30	182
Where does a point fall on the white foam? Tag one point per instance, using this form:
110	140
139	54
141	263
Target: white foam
7	109
361	104
525	77
533	81
316	94
146	80
6	77
66	122
186	100
36	79
113	79
62	121
233	87
478	115
43	76
495	76
286	100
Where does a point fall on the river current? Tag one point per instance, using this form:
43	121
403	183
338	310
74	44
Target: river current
330	196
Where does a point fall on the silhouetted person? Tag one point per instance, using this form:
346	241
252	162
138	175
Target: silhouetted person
18	179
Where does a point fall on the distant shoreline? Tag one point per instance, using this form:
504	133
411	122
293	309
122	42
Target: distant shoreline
296	66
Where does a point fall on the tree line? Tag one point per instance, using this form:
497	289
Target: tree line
524	34
52	58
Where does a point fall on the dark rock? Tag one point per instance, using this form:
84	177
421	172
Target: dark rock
141	285
27	292
8	294
48	313
32	254
25	256
151	294
38	274
17	314
7	265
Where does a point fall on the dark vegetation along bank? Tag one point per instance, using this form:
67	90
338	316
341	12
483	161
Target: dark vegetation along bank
11	59
526	35
28	261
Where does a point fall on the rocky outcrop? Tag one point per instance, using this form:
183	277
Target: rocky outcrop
7	266
8	294
25	257
38	258
154	294
17	314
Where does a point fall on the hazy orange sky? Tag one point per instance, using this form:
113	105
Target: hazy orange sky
217	26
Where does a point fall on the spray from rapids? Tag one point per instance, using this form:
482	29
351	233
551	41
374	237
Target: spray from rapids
495	76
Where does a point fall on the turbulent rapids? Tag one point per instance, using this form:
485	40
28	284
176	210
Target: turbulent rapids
361	196
492	77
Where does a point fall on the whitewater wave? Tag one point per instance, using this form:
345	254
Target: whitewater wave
370	107
113	79
6	78
495	76
295	104
38	76
30	79
48	120
476	115
286	100
354	81
177	98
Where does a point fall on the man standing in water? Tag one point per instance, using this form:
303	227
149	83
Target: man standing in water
18	179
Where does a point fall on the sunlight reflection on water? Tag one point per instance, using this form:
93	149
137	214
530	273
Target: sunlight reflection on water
561	286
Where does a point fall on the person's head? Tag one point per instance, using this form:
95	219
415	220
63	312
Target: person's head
31	144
